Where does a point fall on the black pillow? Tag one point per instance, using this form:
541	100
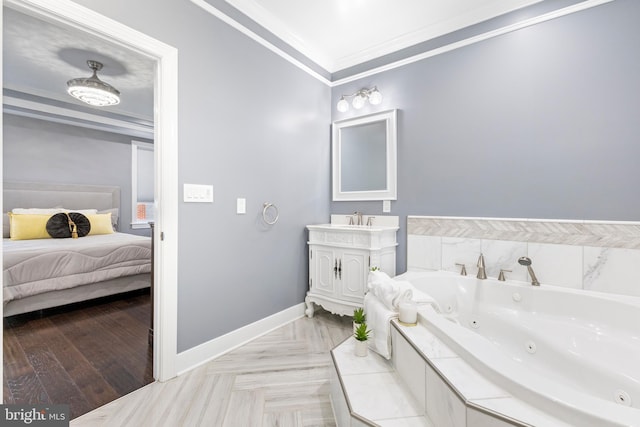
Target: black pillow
58	225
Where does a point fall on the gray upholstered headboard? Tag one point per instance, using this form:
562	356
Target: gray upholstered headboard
69	196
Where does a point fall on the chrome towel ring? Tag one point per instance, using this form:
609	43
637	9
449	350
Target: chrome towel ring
272	218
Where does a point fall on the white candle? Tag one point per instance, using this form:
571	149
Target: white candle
408	312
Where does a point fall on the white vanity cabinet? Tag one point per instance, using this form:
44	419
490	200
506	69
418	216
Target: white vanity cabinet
340	257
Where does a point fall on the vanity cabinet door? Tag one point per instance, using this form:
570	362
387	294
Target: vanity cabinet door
323	269
354	274
338	273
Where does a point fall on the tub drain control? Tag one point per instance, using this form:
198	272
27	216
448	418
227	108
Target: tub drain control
517	297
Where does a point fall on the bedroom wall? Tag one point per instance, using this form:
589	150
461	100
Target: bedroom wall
253	126
538	123
41	151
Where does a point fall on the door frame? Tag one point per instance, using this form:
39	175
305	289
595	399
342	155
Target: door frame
166	153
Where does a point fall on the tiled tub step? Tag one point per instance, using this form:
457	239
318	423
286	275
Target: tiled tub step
367	391
455	394
424	384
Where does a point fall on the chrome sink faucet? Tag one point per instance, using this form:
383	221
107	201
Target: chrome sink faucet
526	261
359	217
482	273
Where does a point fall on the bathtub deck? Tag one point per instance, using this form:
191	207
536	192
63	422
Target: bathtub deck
411	390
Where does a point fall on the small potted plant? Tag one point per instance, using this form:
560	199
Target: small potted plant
361	335
358	318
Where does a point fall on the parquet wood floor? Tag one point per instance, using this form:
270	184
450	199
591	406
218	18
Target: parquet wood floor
280	379
84	355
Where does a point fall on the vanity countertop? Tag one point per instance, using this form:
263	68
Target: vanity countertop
346	227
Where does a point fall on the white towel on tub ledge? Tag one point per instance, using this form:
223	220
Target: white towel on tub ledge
390	292
379	323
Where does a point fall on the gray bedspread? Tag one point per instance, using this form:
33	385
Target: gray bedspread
36	266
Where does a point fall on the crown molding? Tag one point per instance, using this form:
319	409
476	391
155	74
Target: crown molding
22	104
472	40
587	4
252	35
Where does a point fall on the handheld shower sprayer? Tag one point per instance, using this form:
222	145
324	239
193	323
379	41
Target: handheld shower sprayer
526	261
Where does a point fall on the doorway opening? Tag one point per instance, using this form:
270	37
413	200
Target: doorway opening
165	138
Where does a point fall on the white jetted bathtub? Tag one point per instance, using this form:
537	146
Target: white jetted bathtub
573	354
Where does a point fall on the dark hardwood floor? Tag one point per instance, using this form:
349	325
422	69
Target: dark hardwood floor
83	355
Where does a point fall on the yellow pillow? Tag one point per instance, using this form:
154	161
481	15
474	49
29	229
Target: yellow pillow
100	224
28	226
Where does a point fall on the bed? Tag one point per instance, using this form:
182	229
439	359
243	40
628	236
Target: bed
45	272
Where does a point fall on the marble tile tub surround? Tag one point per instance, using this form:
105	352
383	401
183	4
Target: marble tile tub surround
591	255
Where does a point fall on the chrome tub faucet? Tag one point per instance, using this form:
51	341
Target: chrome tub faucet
463	270
501	276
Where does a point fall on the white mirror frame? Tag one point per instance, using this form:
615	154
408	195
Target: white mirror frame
390	192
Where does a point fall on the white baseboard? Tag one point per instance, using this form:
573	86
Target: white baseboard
196	356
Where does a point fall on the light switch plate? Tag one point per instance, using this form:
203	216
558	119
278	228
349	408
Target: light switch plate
386	206
241	206
197	193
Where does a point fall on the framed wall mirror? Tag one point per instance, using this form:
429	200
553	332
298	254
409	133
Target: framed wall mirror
364	157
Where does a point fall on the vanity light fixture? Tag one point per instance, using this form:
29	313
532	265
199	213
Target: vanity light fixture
359	99
92	90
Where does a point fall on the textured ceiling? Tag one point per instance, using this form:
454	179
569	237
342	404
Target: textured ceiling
39	58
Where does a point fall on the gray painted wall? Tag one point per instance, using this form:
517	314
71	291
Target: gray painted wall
253	126
40	151
538	123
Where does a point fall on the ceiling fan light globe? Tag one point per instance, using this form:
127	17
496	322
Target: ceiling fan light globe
92	95
92	90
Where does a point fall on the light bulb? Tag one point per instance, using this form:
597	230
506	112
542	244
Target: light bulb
358	101
375	97
343	105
